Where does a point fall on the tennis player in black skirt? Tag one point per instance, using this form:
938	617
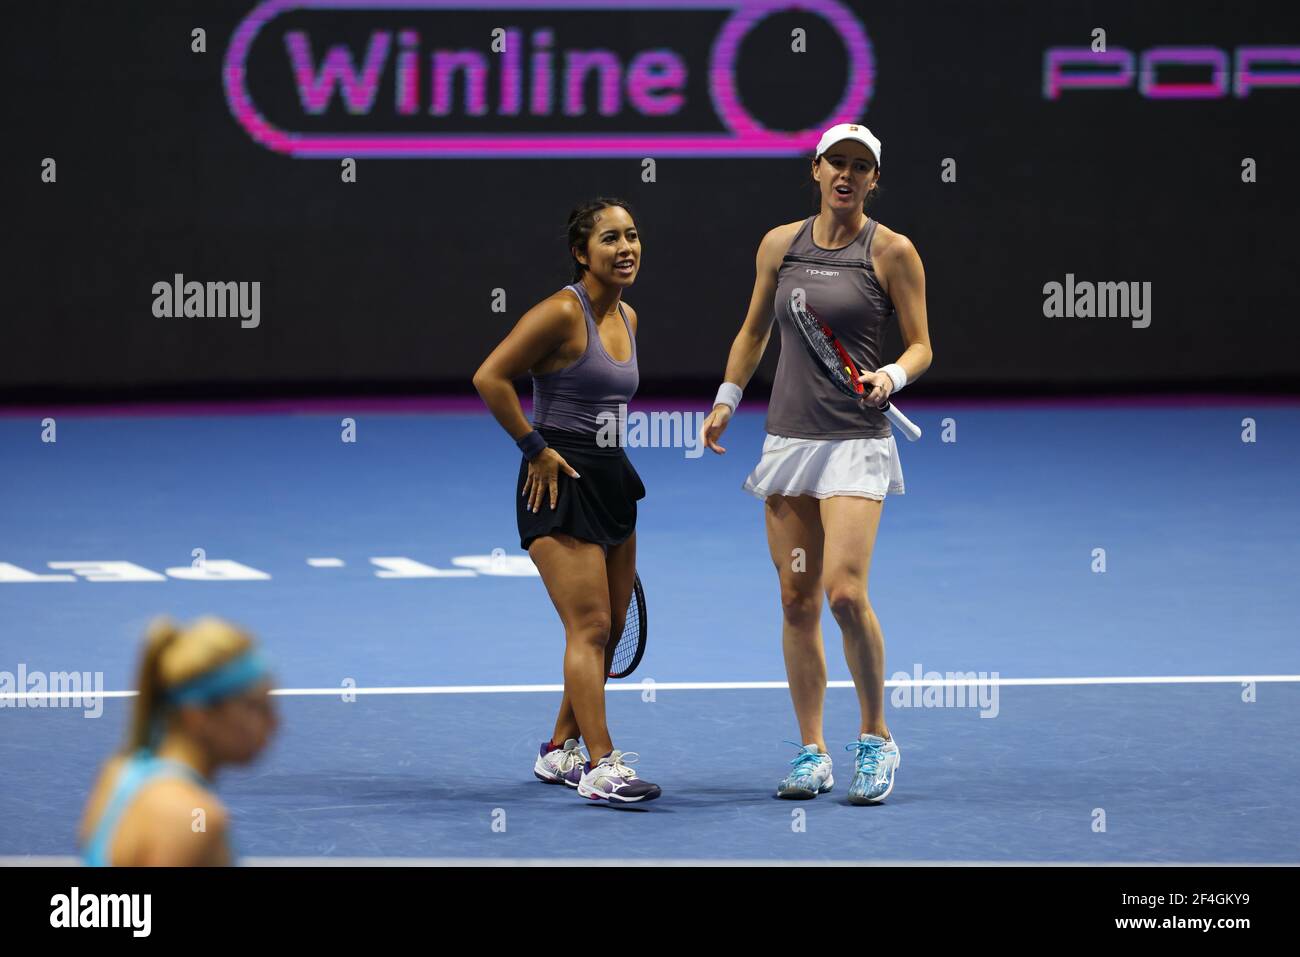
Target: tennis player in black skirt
576	495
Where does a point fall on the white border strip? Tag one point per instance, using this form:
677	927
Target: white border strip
52	861
647	683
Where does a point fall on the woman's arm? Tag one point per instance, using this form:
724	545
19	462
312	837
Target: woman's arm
903	276
173	840
539	332
751	342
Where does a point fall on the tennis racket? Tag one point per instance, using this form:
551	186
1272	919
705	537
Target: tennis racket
631	644
838	365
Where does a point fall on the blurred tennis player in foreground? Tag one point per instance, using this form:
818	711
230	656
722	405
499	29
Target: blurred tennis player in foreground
829	460
576	496
203	703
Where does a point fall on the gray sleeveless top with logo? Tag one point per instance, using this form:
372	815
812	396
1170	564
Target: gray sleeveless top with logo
573	398
842	288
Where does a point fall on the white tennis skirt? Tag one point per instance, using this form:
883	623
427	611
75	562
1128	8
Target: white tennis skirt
826	467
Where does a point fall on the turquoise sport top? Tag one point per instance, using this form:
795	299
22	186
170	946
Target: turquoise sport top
137	771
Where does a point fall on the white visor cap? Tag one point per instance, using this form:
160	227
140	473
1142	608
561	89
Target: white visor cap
850	131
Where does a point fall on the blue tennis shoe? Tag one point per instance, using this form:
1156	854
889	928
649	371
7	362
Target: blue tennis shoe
810	775
874	766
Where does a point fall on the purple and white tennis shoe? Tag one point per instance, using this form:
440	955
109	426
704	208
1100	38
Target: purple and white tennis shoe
560	765
610	779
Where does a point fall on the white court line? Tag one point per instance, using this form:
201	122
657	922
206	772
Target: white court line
648	683
52	861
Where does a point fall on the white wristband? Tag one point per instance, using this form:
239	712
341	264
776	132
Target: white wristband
729	395
896	373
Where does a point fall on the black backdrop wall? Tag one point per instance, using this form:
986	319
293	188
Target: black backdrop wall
389	282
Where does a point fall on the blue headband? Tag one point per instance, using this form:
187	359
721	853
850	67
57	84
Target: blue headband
234	676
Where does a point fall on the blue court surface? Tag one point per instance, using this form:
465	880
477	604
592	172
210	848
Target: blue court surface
1141	713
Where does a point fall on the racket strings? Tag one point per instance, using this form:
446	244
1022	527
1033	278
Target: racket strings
814	335
629	642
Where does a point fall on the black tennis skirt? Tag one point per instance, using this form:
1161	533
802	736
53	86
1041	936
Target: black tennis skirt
599	506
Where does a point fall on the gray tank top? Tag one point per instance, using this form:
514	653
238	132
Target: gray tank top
572	398
841	286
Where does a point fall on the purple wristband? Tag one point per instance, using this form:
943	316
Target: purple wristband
531	444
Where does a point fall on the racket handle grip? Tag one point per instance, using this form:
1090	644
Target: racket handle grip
901	422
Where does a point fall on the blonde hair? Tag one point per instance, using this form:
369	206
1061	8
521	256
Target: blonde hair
174	654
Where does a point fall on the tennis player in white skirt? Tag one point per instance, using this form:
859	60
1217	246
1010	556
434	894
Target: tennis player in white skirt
830	459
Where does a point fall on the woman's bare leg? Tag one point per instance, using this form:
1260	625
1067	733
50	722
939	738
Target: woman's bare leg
795	539
851	523
574	574
620	571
